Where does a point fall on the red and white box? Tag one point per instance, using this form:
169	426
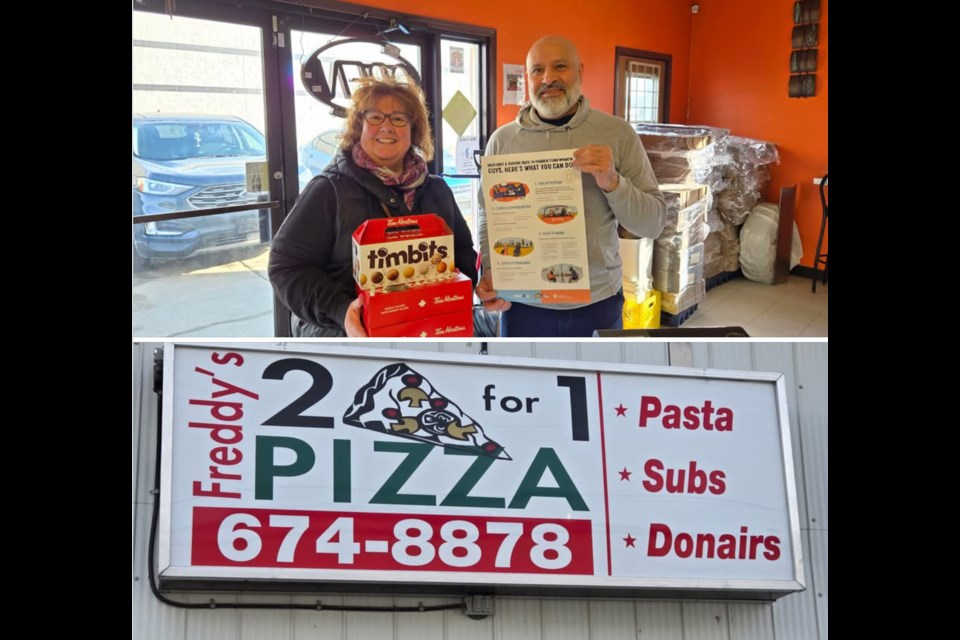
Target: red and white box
443	309
388	252
449	325
417	302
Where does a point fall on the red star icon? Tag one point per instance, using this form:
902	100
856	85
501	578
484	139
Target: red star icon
621	410
630	540
625	475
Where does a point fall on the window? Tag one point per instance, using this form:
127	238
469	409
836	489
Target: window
642	86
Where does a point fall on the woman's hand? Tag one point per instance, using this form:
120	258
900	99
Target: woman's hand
488	296
352	323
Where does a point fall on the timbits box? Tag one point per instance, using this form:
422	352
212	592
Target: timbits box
415	302
402	250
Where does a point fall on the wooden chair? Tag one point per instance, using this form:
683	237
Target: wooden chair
821	258
781	262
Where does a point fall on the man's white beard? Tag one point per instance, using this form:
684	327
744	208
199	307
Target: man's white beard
552	108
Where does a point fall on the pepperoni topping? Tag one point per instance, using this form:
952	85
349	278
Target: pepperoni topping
491	447
391	413
438	403
411	380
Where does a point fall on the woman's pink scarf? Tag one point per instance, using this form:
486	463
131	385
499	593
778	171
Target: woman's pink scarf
413	175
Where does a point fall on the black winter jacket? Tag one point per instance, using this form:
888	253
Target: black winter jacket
311	267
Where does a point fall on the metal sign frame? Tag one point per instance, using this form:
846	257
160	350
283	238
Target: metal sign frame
488	441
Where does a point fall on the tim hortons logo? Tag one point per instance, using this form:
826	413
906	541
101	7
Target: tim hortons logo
450	329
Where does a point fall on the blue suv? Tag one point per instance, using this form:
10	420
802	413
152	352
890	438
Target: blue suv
182	163
189	162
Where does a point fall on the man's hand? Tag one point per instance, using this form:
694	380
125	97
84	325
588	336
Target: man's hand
598	160
352	323
488	296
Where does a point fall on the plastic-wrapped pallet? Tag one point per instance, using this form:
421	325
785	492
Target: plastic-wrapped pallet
676	303
682	154
678	258
675	270
712	255
686	207
679	153
730	246
734	168
688	223
678	251
746	176
638	253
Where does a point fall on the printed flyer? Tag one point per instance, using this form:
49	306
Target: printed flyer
535	227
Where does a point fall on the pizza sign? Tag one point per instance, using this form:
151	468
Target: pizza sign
388	467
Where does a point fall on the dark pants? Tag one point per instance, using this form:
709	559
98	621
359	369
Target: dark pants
525	321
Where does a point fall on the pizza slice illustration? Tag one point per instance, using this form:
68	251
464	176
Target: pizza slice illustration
401	402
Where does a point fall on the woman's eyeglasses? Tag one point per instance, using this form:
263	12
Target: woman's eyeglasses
376	118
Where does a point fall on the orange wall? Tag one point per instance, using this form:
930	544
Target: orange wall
731	65
739	71
597	27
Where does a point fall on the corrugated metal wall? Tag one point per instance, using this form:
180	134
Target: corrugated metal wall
800	616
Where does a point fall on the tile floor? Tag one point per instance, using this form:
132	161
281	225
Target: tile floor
764	310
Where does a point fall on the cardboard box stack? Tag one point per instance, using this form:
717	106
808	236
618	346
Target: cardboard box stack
404	270
743	175
680	154
678	253
712	255
681	157
746	175
734	170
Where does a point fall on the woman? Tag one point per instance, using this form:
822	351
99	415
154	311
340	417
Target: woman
379	171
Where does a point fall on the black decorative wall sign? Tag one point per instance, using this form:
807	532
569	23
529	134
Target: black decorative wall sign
804	40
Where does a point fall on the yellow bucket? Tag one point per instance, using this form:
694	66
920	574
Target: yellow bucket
642	314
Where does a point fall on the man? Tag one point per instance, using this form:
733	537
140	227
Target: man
618	187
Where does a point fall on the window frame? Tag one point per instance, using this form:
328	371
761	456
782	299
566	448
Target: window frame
623	55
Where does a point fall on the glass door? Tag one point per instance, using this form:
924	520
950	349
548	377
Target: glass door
459	77
225	136
317	127
201	187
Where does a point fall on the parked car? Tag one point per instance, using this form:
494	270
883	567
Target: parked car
316	154
189	162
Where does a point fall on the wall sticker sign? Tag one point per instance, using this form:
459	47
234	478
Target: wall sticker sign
358	465
347	60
